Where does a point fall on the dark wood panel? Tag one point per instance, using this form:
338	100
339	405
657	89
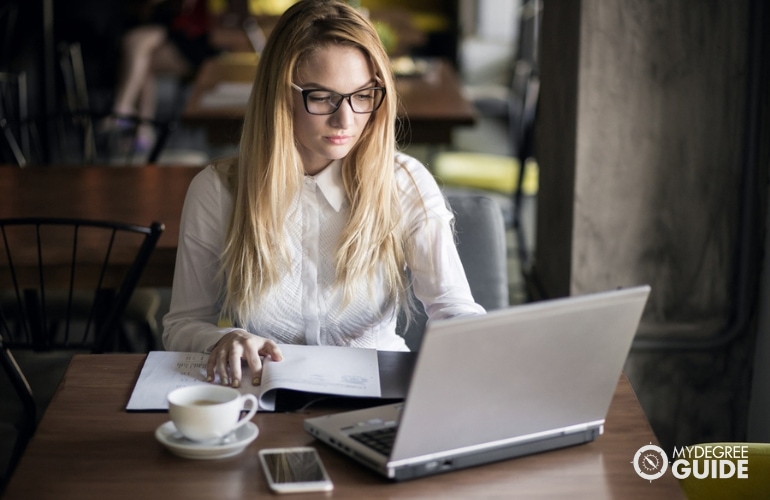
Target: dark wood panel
137	195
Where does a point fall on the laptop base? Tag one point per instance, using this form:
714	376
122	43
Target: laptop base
495	455
461	461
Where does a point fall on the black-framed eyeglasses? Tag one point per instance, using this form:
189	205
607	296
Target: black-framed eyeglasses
326	102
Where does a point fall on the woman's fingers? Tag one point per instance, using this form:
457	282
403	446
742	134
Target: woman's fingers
217	365
234	360
255	365
225	359
271	349
254	357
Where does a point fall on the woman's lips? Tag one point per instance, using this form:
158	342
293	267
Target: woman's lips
338	140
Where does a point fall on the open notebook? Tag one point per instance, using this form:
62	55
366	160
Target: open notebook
306	374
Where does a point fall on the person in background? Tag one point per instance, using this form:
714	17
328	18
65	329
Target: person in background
320	229
168	37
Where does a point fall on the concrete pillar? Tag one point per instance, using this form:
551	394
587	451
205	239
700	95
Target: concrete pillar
641	142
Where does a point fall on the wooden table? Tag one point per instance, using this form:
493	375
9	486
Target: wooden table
138	195
432	104
87	446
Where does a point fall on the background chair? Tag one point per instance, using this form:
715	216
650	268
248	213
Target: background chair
64	287
481	245
512	176
511	179
87	135
14	119
76	135
17	422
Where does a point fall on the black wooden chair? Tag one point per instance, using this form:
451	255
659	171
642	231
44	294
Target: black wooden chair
81	133
14	120
64	287
86	137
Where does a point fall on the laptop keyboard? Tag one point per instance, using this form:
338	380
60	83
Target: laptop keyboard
380	440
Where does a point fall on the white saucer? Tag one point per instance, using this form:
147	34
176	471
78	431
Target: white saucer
183	447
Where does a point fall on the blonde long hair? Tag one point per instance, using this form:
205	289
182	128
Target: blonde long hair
268	173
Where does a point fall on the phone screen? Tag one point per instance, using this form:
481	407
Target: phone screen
298	467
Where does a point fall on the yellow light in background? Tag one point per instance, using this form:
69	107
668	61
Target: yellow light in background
217	7
269	7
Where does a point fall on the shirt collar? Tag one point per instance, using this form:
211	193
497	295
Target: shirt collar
329	182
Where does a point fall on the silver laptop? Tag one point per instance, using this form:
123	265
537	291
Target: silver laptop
517	381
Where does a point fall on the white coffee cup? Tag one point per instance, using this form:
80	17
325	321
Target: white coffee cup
208	412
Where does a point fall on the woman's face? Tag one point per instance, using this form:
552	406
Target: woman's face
324	138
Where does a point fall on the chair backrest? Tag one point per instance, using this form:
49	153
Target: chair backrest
85	137
525	93
29	413
65	283
481	244
14	124
525	96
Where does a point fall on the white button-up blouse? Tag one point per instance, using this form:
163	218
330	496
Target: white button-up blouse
306	306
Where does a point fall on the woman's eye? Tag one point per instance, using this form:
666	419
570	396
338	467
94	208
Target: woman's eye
363	96
319	97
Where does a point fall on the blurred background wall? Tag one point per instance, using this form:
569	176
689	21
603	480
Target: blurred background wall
653	170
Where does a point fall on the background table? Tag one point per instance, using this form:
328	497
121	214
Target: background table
137	195
88	447
432	103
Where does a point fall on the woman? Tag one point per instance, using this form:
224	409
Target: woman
170	37
307	236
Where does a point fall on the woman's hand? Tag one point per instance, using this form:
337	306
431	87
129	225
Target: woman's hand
225	358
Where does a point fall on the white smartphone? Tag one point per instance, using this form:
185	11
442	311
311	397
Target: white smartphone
294	470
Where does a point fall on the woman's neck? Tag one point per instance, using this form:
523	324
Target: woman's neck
315	170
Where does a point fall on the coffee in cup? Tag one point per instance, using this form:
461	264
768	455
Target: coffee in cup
209	412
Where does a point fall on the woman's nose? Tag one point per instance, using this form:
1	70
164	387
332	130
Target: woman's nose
344	116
